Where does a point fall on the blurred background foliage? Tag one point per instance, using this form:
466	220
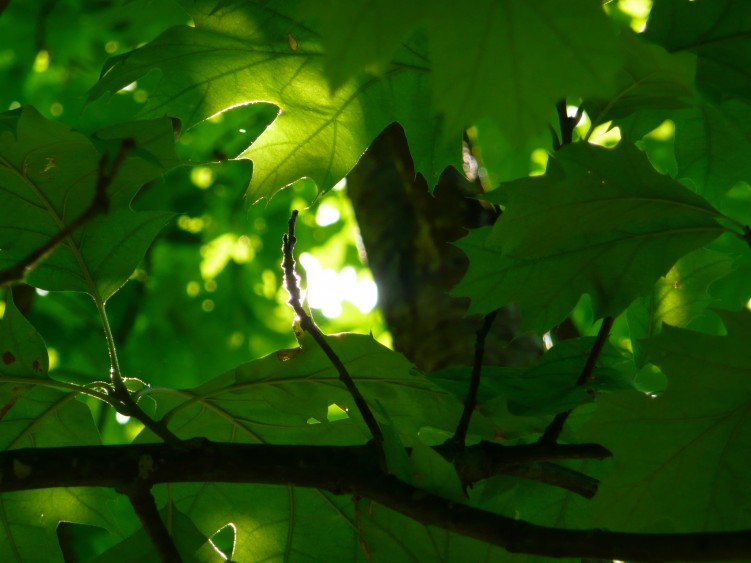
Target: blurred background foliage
208	295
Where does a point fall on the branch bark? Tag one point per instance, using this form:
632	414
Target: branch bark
343	470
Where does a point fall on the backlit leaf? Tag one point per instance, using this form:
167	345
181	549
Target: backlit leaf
241	54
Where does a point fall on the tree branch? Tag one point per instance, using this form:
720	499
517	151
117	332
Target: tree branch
343	470
530	461
554	475
554	429
460	435
295	300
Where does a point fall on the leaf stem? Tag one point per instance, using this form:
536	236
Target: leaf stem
295	300
83	390
470	403
554	429
126	405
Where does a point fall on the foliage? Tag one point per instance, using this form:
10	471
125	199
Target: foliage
137	137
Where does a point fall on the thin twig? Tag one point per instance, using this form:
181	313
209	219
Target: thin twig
99	204
554	429
295	300
145	508
470	403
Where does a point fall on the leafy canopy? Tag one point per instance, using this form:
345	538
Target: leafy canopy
136	136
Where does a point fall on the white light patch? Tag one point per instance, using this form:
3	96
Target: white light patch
42	292
328	289
327	215
547	340
121	418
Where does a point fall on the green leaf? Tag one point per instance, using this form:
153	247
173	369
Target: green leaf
431	472
82	542
30	520
514	60
548	386
718	31
711	147
280	524
252	53
48	175
600	222
358	34
40	416
33	413
680	298
192	545
501	158
273	399
22	350
650	78
681	458
386	535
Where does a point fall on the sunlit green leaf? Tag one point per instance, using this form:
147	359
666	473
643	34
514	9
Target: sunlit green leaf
245	54
281	523
681	297
30	520
190	543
